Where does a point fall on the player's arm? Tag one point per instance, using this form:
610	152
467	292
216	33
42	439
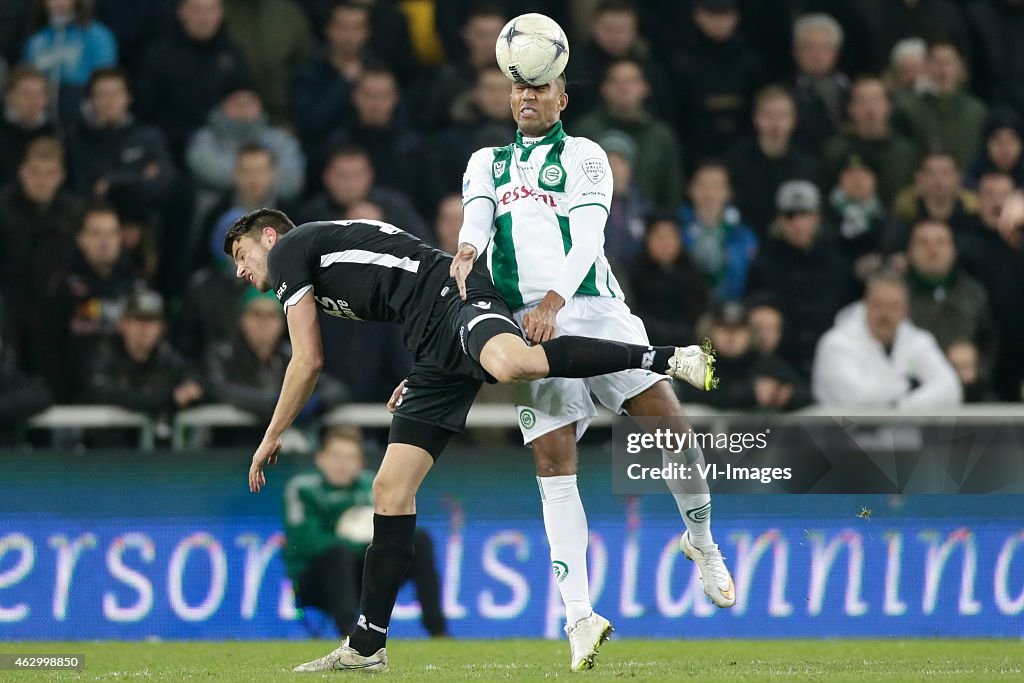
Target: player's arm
478	206
589	190
300	379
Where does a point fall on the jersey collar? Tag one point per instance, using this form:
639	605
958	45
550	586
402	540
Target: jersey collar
553	136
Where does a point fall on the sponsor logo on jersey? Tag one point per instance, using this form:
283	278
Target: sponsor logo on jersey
561	570
648	360
595	169
281	290
499	167
524	192
462	339
444	291
527	418
483	304
552	174
338	308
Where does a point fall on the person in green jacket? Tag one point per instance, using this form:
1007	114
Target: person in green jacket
328	516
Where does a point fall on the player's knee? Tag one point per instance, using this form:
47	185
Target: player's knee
516	366
390	497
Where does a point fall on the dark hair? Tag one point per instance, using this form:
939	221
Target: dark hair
23	73
946	40
656	217
921	222
484	10
254	222
82	11
94	207
937	152
255	148
614	6
107	72
372	70
347	150
619	61
711	164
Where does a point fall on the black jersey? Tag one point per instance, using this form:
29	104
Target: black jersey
361	270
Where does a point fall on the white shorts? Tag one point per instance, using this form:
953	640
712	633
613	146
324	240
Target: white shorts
545	405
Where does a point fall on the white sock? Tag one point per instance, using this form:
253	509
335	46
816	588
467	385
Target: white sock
565	523
694	506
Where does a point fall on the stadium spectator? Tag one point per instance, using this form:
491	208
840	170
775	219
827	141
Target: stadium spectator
396	152
1000	268
111	154
348	178
448	222
328	516
714	80
24	118
668	292
139	370
856	219
14	22
630	208
240	119
21	396
721	246
997	67
478	34
937	195
1002	149
68	46
186	71
275	38
944	299
820	90
764	316
893	22
364	211
657	167
613	35
803	271
966	362
906	73
749	380
254	186
210	292
247	371
944	114
321	88
38	220
87	301
874	356
760	163
872	139
481	117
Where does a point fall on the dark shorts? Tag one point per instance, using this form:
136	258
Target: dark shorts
446	373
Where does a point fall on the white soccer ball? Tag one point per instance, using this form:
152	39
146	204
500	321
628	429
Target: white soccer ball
533	49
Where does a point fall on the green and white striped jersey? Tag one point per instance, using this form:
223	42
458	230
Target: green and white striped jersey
533	188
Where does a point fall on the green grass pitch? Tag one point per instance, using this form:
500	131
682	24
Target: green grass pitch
531	660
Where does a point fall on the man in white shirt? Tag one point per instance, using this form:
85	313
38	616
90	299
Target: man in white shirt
538	207
874	356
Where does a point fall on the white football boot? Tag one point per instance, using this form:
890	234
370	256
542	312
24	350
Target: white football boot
695	365
345	658
585	637
714	575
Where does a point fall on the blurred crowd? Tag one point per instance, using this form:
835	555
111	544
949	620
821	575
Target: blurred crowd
814	184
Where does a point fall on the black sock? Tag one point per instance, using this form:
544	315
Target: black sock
586	357
384	571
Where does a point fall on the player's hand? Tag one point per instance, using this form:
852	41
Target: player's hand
396	396
265	455
540	323
1011	219
462	265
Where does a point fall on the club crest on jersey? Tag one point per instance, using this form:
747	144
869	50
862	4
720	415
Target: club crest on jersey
552	174
594	169
499	168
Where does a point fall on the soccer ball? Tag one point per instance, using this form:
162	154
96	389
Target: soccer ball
533	49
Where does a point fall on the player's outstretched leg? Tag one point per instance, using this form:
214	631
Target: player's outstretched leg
693	498
511	361
387	561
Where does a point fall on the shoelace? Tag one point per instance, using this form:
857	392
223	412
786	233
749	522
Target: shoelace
718	571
